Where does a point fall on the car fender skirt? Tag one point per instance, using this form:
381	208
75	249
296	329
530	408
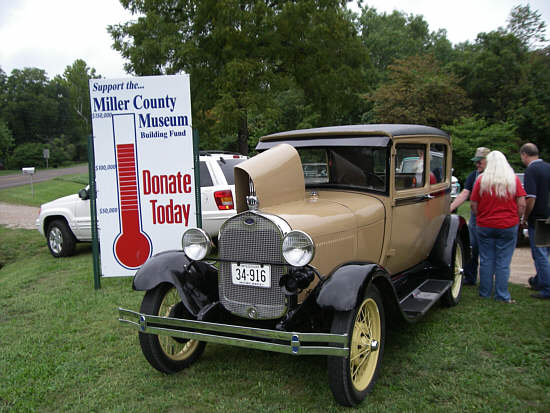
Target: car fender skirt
342	290
195	281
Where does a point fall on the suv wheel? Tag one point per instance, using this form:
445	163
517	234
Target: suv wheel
351	378
167	354
61	240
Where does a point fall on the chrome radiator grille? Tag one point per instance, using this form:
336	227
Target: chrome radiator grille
257	241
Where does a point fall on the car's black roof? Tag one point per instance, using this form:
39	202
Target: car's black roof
348	135
389	130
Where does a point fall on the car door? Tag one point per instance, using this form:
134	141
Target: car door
420	201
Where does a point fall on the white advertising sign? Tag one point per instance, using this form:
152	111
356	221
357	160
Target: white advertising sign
143	147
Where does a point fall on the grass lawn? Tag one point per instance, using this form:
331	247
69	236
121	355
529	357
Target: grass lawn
44	191
464	210
62	349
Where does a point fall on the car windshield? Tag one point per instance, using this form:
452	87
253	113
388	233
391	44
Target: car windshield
356	167
227	165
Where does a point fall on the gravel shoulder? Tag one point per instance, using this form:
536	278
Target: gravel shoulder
18	216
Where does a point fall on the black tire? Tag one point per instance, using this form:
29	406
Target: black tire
60	239
352	377
453	294
167	354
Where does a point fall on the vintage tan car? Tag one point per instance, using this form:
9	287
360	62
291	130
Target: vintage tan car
333	238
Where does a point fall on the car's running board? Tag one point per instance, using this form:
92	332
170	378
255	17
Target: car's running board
418	302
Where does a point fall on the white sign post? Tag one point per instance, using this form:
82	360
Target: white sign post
143	147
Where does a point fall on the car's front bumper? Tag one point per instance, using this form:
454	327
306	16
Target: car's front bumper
261	339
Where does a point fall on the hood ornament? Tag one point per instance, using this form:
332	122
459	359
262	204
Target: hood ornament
252	199
252	202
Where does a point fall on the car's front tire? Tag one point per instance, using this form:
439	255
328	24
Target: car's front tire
167	354
61	241
352	377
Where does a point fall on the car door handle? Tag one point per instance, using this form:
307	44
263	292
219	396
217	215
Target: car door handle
429	196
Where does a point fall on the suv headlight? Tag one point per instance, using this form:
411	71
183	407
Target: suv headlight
298	248
196	243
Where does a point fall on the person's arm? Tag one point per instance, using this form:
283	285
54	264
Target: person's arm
521	206
529	205
475	198
460	199
530	187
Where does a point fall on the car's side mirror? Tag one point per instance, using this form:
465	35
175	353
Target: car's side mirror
83	194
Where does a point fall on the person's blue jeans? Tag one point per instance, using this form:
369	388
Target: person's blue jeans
496	247
540	257
470	269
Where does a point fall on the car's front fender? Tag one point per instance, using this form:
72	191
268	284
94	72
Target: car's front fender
195	281
345	286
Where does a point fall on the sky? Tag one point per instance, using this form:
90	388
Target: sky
52	34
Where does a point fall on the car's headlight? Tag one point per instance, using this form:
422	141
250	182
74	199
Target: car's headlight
298	248
196	243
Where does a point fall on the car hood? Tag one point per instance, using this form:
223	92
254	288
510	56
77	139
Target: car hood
277	177
330	212
63	201
345	226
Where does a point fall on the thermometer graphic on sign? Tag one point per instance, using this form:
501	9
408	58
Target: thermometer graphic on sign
132	246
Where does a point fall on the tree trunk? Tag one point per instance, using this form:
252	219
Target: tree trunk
243	136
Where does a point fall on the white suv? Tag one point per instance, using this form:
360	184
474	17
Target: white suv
66	221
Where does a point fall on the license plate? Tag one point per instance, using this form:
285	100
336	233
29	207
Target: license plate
255	275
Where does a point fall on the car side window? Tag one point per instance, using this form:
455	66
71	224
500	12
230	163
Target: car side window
206	179
409	166
438	163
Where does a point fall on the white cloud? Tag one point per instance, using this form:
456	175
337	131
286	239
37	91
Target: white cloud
52	34
465	19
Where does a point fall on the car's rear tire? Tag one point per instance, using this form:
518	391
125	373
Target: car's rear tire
352	377
453	294
61	241
167	354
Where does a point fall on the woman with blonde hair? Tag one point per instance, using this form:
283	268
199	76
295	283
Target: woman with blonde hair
498	200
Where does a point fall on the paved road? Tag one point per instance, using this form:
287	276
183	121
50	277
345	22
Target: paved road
7	181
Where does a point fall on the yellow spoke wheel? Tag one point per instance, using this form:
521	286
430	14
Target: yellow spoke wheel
351	378
167	354
174	348
364	344
452	296
457	271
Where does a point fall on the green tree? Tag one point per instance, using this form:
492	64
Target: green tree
493	74
469	133
527	25
76	101
31	109
77	77
419	91
3	91
388	37
532	117
6	142
243	55
27	154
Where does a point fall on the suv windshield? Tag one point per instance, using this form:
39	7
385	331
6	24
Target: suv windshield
357	167
227	165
